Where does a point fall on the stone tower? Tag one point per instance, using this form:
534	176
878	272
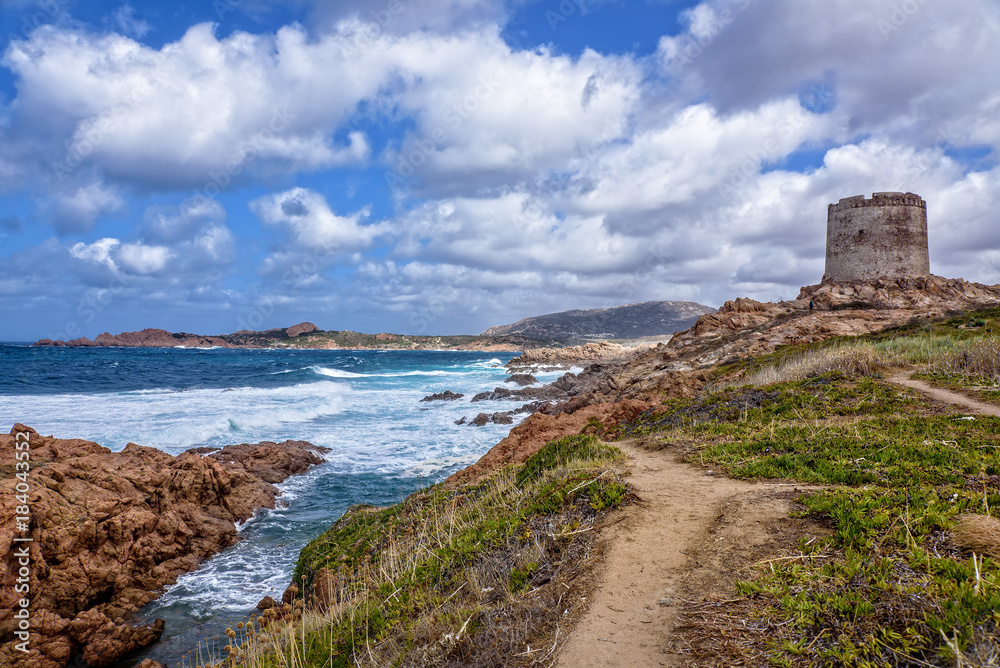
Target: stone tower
882	236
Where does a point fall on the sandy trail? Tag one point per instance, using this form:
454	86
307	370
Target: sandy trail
946	396
686	540
692	534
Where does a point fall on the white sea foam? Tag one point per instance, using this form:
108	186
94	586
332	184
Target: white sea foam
384	443
176	420
341	373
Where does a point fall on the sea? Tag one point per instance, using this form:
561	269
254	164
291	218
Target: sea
363	405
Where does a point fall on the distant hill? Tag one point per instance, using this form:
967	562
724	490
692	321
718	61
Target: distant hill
305	335
631	321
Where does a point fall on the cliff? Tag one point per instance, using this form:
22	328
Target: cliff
110	529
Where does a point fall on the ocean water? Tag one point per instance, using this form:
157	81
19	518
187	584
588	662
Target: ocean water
363	405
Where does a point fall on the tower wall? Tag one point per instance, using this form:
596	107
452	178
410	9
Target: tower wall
882	236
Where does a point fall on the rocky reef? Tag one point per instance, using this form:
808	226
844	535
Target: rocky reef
110	529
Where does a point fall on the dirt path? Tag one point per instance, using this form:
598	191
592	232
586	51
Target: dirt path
946	396
687	540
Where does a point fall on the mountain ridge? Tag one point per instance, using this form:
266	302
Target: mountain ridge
628	321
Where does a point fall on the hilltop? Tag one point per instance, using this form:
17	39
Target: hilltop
632	321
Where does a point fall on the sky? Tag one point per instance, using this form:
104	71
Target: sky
441	166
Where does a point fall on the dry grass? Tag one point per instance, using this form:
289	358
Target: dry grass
980	359
979	534
853	360
474	577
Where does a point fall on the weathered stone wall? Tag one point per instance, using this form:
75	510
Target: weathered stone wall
882	236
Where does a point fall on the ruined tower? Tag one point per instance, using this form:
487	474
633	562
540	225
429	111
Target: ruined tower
882	236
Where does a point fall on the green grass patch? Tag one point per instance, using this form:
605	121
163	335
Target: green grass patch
888	587
444	577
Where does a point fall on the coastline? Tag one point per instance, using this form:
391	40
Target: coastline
284	380
304	336
109	530
617	392
683	379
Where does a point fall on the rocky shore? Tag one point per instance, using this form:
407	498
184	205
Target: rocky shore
109	530
618	383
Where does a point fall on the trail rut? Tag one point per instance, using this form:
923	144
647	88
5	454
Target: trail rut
946	396
687	539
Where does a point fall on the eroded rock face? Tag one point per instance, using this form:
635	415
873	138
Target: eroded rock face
110	530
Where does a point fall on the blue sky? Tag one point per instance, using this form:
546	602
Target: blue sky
440	166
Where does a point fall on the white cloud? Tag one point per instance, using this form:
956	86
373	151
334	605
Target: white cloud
141	259
125	21
509	114
205	109
312	225
98	252
78	210
911	69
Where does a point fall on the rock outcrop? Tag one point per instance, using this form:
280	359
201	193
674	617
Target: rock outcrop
528	437
617	381
110	529
601	351
447	395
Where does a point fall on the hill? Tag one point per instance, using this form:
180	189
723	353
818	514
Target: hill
631	321
304	335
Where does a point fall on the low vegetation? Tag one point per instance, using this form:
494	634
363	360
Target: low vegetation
477	576
966	346
910	575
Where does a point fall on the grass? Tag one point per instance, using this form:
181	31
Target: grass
447	577
889	586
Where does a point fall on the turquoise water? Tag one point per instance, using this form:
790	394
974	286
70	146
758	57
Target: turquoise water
364	405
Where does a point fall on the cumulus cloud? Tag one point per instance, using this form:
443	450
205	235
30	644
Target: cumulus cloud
195	110
913	69
142	259
522	180
307	218
98	252
77	210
